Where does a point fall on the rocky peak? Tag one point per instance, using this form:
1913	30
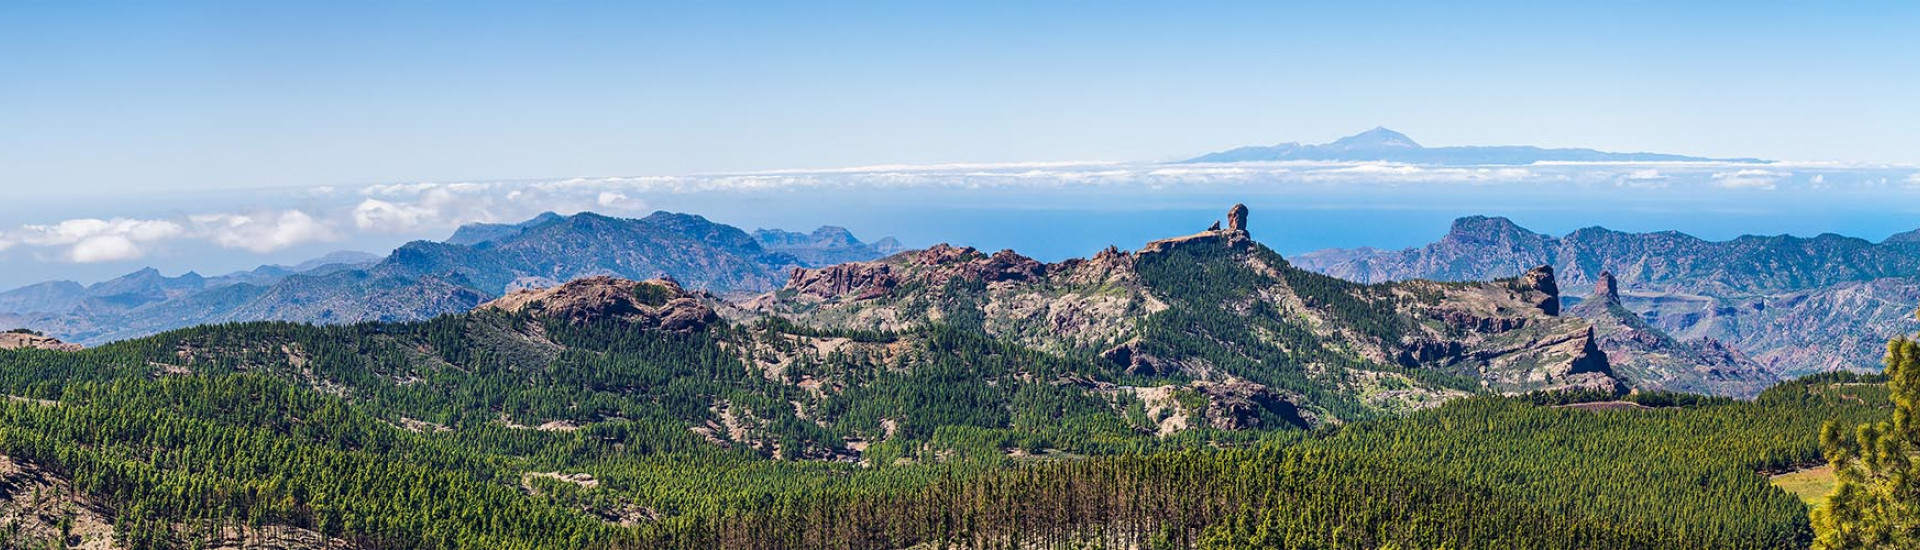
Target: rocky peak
1607	288
1484	229
1378	138
657	303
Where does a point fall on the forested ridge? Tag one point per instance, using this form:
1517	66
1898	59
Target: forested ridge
248	438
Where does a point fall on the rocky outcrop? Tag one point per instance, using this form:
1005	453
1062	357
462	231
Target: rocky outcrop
1137	361
965	263
1540	280
658	303
863	281
26	339
942	262
1235	235
1242	405
1606	288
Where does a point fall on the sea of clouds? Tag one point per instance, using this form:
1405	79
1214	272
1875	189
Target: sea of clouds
294	218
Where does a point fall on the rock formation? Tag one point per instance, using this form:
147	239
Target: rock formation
26	339
658	303
1237	218
1242	405
866	281
1541	279
1234	235
1606	289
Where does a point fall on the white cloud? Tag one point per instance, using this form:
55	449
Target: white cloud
262	232
421	206
1646	175
105	248
1749	179
421	209
77	230
379	215
619	201
92	240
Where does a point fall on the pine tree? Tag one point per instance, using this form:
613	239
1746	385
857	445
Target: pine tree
1876	504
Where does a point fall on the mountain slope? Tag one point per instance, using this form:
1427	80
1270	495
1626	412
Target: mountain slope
1794	304
1383	145
1218	307
1649	358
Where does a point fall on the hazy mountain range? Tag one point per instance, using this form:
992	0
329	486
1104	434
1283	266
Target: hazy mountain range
1381	144
1794	305
424	279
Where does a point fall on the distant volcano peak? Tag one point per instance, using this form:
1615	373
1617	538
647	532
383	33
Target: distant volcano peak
1378	138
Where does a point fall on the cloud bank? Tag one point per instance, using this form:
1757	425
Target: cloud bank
334	213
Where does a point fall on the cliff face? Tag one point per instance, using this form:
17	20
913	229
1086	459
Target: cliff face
1790	305
1218	307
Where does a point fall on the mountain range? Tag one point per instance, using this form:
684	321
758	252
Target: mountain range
1384	145
943	397
1792	305
1680	313
424	279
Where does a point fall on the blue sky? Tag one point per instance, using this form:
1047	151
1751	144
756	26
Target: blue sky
160	95
220	135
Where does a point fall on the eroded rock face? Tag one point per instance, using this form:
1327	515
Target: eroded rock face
33	340
658	303
864	281
1237	218
1540	279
